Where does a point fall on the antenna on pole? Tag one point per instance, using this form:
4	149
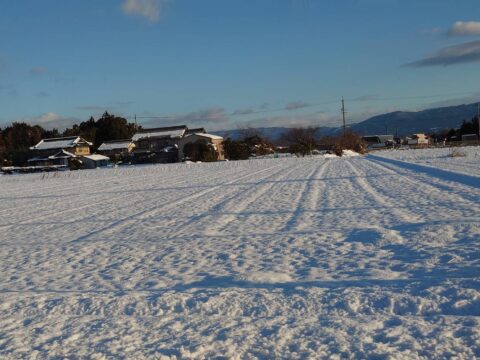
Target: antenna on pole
343	115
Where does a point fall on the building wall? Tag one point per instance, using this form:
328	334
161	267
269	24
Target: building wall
80	150
193	138
220	150
93	164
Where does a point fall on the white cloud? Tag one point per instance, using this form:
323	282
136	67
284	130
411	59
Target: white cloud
48	118
465	28
149	9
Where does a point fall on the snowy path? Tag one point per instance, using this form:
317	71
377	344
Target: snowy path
280	258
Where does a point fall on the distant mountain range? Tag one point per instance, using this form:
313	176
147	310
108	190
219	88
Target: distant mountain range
401	123
410	122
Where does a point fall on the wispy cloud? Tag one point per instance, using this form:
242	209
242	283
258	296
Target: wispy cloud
149	9
315	119
102	108
50	120
296	105
92	108
38	70
458	54
467	99
365	98
215	116
243	112
465	28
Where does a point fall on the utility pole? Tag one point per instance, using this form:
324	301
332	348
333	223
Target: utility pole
478	119
136	125
343	115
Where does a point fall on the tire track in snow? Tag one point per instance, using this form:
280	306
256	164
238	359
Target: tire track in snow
103	201
196	220
381	199
430	183
107	195
247	197
125	221
303	196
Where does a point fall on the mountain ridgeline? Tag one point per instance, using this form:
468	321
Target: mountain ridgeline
401	123
409	122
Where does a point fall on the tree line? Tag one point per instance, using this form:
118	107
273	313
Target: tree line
16	139
300	141
467	128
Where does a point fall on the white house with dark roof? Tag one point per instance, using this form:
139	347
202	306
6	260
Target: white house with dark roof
117	149
73	144
58	151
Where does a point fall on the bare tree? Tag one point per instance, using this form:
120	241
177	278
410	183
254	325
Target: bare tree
301	141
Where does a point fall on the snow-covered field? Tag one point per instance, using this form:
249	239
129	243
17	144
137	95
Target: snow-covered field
467	160
362	257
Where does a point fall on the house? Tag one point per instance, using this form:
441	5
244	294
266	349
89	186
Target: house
378	141
94	161
61	158
418	139
117	150
58	151
72	144
214	141
158	145
469	138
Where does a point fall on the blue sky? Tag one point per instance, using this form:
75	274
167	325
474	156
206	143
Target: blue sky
227	64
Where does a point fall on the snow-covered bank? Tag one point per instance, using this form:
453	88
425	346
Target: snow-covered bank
278	258
465	160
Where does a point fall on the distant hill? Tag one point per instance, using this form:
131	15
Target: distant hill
401	122
409	122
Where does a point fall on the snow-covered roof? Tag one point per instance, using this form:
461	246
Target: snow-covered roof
210	136
196	130
114	145
165	132
59	143
61	155
96	157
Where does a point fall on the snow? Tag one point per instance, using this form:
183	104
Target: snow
441	158
114	145
371	256
58	143
96	157
169	133
209	136
350	153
